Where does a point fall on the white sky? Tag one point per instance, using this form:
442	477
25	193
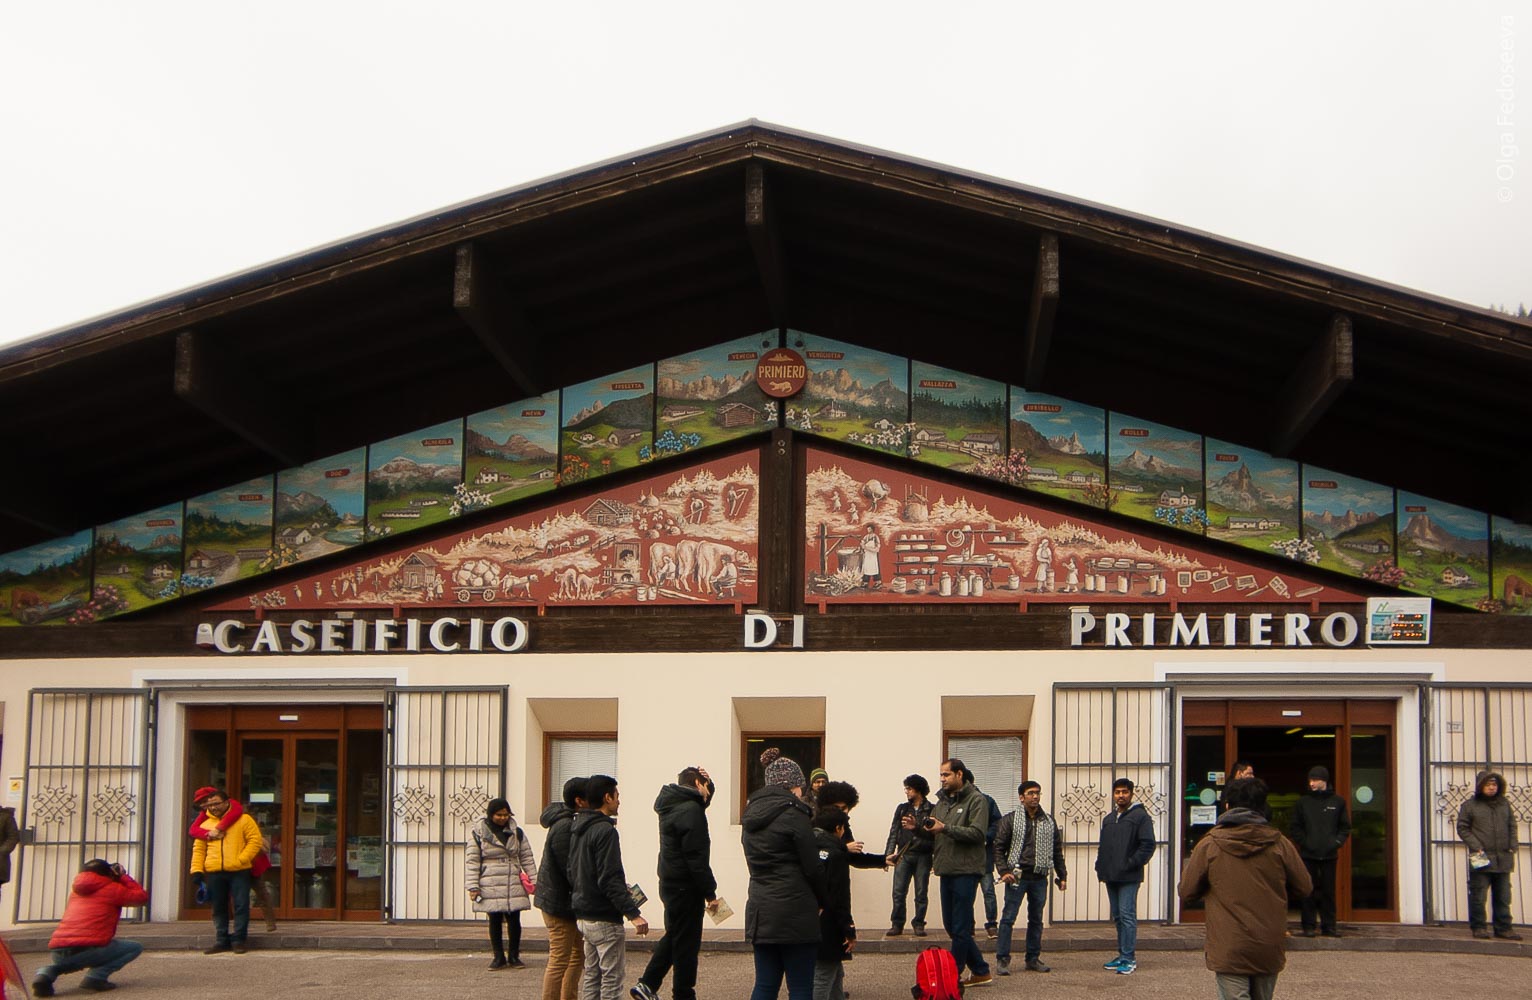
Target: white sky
149	146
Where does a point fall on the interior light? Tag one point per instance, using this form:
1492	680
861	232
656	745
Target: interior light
1319	736
1295	729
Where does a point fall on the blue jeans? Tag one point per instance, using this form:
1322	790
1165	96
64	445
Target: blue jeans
957	893
1124	899
795	961
917	867
101	960
1036	892
987	888
221	886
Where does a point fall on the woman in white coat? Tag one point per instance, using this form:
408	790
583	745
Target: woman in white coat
497	854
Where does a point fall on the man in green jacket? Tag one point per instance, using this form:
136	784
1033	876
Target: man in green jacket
960	823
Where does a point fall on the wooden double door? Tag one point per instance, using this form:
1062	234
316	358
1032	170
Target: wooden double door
312	778
1284	739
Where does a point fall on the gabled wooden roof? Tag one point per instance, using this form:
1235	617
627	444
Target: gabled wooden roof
729	233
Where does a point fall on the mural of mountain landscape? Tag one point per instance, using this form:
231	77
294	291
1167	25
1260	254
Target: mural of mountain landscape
49	583
228	534
1349	522
853	394
607	424
959	423
710	395
1253	500
1065	445
511	451
1155	472
412	479
138	559
1443	550
320	507
1511	557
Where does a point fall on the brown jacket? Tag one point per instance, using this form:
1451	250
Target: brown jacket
1245	870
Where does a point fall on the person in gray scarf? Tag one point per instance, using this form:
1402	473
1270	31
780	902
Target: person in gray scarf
1028	849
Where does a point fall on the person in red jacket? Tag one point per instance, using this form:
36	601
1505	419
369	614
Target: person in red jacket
87	936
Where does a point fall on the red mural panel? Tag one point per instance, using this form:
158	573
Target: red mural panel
688	537
881	536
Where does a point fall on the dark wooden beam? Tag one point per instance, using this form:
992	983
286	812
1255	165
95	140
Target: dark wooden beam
212	379
494	317
1045	302
1317	382
42	514
766	242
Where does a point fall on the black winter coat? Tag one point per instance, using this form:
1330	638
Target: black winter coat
600	885
684	843
1127	844
1487	823
1321	824
787	883
10	836
836	924
918	839
555	891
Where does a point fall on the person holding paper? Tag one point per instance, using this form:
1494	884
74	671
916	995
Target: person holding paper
1487	824
687	886
496	857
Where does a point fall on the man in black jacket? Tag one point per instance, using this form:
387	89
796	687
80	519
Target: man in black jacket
555	895
1320	826
601	896
1127	844
1029	848
687	886
1487	824
837	928
911	843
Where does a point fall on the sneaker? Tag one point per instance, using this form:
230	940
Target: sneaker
217	949
641	991
239	949
497	965
1508	935
920	931
97	985
1002	966
990	931
1478	932
42	987
1332	932
1036	965
987	979
1310	932
894	932
1127	968
1113	964
515	963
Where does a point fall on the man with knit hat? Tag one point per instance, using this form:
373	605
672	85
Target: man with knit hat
817	780
222	863
911	843
1320	826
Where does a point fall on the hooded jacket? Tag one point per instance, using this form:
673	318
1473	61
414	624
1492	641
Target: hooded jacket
202	831
961	849
1127	844
685	847
1321	824
836	924
787	883
492	867
1487	823
595	861
95	903
10	836
235	851
1245	870
555	891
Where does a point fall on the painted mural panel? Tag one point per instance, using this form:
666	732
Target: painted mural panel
958	422
138	560
1252	499
1349	523
607	425
1155	473
1443	550
1064	443
687	537
710	395
321	507
854	394
1511	557
228	534
49	584
412	479
880	535
511	451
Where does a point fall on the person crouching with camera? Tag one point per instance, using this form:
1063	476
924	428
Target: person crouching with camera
87	936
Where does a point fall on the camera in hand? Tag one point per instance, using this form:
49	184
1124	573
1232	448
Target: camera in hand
930	823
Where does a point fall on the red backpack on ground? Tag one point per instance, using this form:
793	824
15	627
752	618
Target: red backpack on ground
936	976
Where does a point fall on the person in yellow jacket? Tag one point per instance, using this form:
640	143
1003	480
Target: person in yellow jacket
221	864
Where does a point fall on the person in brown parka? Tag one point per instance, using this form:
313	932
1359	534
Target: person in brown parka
1246	871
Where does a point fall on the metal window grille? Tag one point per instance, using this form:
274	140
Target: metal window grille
1470	728
1101	733
87	794
445	762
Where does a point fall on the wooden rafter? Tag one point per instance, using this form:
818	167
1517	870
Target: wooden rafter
766	242
1045	302
223	387
1314	385
493	316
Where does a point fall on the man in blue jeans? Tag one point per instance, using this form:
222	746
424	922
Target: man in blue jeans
911	842
959	823
86	938
1028	849
1127	843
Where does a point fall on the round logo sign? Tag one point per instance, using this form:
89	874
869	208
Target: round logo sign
781	373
